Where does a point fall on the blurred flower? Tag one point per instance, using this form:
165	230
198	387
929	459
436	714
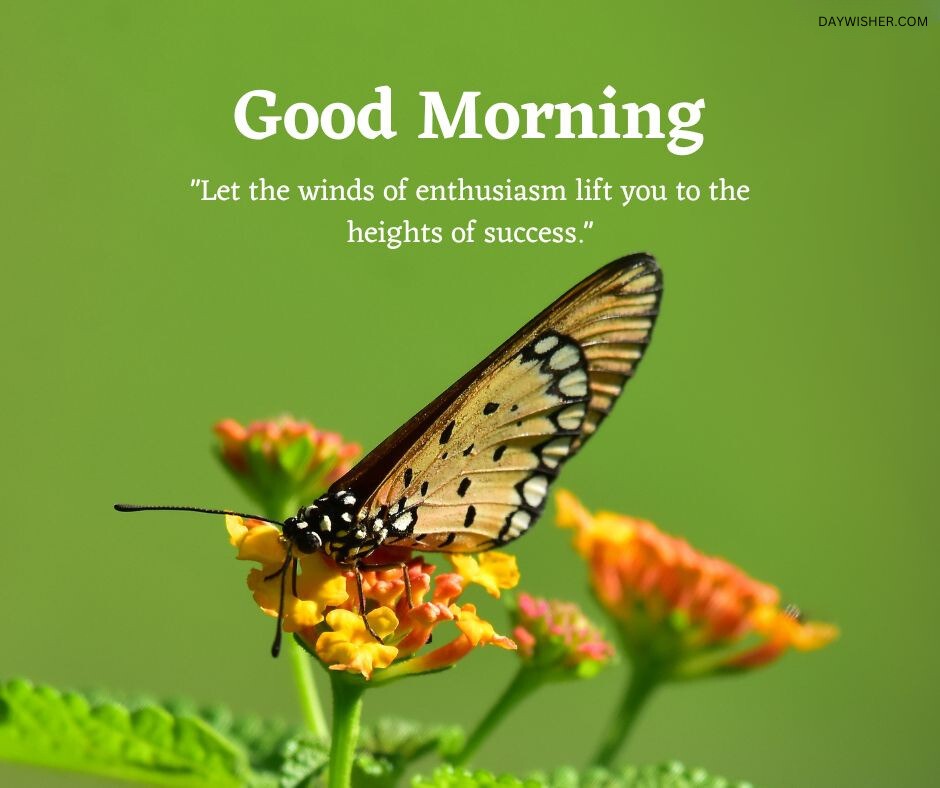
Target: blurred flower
677	607
325	612
492	570
284	463
557	638
783	629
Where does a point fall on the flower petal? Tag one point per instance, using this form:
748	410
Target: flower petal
477	630
351	647
493	570
255	540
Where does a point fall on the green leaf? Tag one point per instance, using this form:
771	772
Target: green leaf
280	754
668	775
44	727
301	757
449	777
389	746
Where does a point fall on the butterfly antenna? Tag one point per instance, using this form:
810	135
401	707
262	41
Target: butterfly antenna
276	645
130	507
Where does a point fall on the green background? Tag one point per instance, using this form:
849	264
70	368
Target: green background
785	417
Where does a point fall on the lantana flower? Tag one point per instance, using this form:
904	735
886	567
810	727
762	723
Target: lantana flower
350	646
320	584
283	463
556	637
325	613
689	608
680	614
493	570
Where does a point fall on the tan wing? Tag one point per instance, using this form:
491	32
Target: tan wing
472	469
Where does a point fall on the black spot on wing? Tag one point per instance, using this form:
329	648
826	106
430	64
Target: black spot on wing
498	454
466	452
463	486
424	487
490	407
471	515
448	431
408	475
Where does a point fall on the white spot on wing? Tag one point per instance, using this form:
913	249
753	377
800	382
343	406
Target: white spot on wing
571	417
544	345
566	356
401	523
520	521
534	490
553	453
574	384
350	500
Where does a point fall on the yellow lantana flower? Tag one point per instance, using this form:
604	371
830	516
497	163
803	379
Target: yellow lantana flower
477	630
492	570
325	611
351	647
319	584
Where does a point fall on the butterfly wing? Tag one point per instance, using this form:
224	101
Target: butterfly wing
471	470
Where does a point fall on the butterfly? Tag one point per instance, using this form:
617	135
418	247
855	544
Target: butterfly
471	470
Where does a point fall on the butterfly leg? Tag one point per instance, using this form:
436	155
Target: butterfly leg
278	572
404	576
276	646
362	604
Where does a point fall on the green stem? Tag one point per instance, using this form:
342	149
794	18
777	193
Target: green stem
643	680
309	699
310	705
347	710
523	684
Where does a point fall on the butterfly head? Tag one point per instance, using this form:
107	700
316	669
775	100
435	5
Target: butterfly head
303	535
321	522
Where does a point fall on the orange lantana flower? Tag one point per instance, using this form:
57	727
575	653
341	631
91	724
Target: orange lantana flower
283	463
325	612
693	613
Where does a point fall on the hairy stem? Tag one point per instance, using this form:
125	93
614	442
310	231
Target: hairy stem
523	684
347	710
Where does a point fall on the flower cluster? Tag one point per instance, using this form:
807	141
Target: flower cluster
556	637
687	610
283	463
325	612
